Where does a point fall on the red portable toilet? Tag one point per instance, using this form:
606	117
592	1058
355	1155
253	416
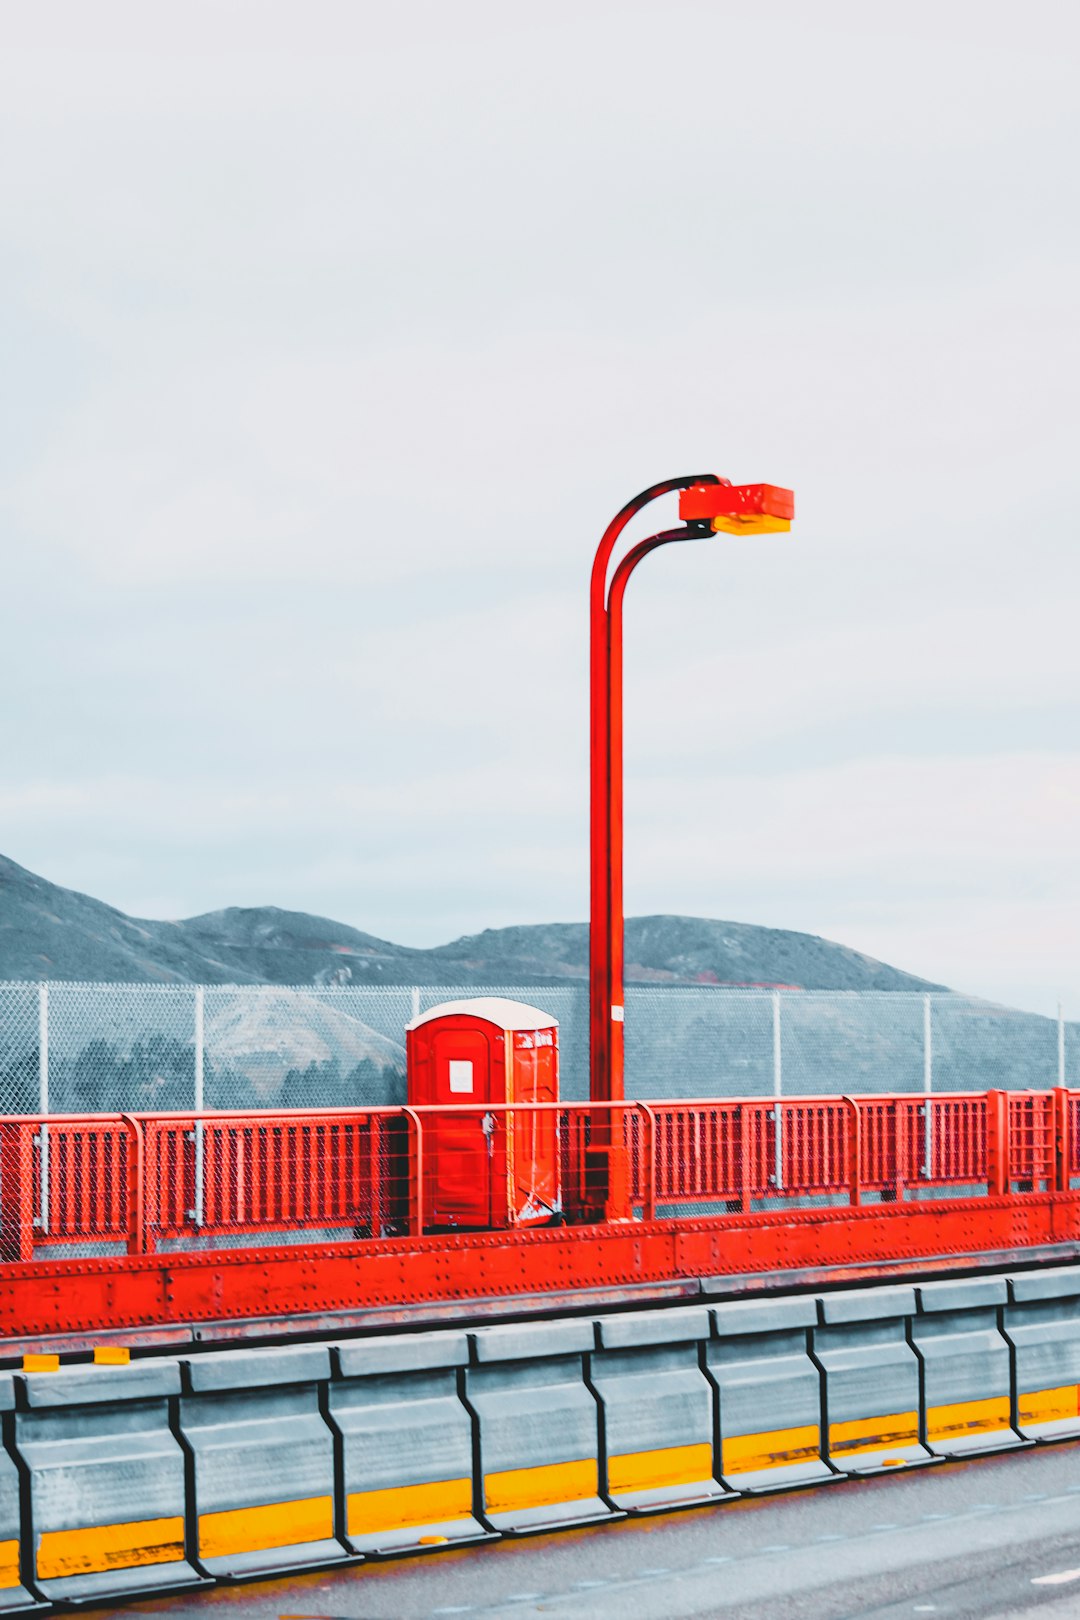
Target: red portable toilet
487	1169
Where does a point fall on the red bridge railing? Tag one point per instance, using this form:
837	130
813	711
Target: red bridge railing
135	1183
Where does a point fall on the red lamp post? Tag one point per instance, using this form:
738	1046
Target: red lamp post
707	504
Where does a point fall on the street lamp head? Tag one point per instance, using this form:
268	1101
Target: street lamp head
739	508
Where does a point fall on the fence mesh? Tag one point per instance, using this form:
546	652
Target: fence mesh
106	1048
20	1048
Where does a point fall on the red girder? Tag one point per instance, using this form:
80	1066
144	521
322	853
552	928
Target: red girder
898	1182
61	1297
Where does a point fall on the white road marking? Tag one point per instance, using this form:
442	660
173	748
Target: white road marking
1060	1579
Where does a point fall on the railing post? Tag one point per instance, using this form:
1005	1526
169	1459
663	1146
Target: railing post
1062	1139
136	1186
854	1152
745	1182
415	1173
198	1211
900	1147
42	1219
928	1086
648	1162
376	1189
997	1143
777	1087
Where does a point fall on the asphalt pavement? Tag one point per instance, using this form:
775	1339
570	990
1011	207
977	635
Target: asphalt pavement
988	1539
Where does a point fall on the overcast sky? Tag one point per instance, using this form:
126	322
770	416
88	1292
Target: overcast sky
333	333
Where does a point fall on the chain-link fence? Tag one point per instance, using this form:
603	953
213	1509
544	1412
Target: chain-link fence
108	1048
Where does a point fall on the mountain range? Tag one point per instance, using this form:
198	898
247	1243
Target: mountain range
50	932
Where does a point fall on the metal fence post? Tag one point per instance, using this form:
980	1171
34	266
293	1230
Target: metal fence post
1061	1045
43	1102
778	1089
415	1001
197	1213
928	1085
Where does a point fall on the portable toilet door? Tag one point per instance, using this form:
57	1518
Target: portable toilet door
483	1167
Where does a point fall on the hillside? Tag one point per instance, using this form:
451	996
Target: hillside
49	932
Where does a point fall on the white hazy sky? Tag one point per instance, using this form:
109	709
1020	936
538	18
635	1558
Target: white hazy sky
334	332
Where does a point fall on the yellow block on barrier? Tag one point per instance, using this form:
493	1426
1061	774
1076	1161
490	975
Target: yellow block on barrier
62	1553
1049	1405
874	1434
650	1470
967	1417
9	1564
38	1361
111	1355
772	1448
400	1507
254	1529
543	1486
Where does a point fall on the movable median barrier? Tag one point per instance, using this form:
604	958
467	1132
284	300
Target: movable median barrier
263	1459
13	1595
106	1478
1042	1323
871	1380
539	1426
407	1442
657	1409
769	1395
967	1385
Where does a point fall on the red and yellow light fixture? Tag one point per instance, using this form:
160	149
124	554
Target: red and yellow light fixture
739	508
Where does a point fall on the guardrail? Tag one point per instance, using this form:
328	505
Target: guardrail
136	1183
525	1426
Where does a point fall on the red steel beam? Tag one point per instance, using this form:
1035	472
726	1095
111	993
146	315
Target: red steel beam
153	1290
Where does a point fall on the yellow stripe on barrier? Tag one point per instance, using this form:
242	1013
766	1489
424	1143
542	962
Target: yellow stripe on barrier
540	1487
1050	1405
404	1506
647	1470
874	1434
967	1417
61	1553
9	1564
772	1448
255	1529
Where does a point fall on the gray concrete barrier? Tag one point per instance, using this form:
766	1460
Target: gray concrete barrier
657	1409
1042	1323
106	1481
966	1376
871	1380
769	1394
407	1442
263	1459
14	1598
539	1425
120	1480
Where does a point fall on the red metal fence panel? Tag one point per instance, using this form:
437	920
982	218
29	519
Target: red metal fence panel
107	1184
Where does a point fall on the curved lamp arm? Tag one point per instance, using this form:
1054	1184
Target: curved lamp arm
605	949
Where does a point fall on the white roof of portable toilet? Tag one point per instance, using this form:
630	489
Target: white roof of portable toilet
493	1010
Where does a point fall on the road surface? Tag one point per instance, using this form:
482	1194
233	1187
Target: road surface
987	1539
